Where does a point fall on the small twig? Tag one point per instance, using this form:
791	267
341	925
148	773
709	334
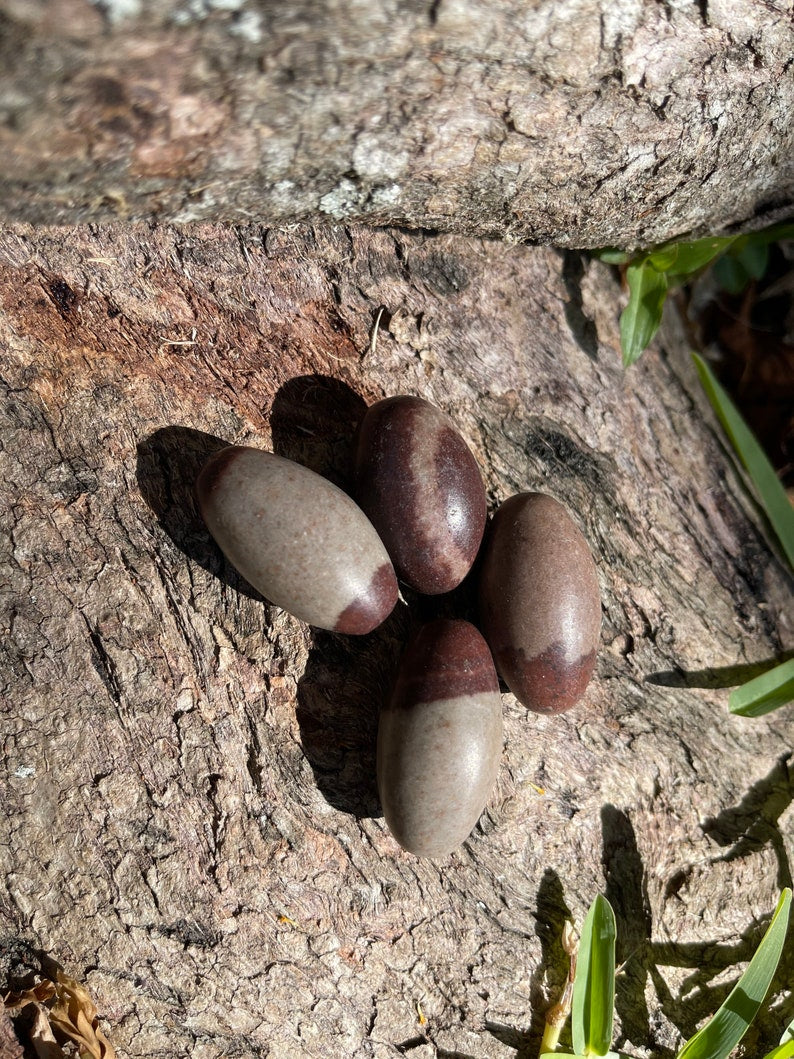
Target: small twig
373	343
174	343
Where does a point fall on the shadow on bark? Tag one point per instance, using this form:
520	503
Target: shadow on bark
169	461
747	828
313	420
626	891
582	327
754	822
22	964
338	702
719	677
548	978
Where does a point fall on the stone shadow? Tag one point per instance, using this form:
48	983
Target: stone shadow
347	678
313	420
168	464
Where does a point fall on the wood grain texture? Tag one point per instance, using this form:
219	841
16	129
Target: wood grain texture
580	123
188	815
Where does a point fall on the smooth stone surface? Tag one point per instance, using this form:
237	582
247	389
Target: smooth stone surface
440	739
418	481
540	606
298	539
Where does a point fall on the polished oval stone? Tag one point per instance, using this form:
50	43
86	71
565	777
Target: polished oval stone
540	608
417	480
440	739
298	539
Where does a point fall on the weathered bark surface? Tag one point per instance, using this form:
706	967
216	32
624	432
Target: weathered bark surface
581	123
188	816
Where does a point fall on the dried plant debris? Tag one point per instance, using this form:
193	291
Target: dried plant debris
63	1012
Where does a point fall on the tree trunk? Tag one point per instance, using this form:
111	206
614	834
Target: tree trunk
583	123
190	820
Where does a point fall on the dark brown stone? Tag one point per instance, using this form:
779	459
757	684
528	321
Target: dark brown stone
540	605
440	739
551	679
420	485
446	659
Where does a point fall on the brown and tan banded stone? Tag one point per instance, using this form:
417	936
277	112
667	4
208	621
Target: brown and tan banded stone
298	539
440	739
418	481
540	606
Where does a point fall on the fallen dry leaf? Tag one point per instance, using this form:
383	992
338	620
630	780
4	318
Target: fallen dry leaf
42	1038
40	993
75	1015
65	1006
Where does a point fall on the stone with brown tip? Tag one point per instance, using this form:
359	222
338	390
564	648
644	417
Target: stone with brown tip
418	481
540	607
298	539
440	739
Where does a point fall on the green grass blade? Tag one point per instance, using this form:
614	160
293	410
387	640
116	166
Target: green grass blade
594	986
570	1055
783	1051
640	320
788	1033
723	1031
771	493
765	693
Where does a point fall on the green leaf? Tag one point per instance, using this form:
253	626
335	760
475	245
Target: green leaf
747	259
771	493
665	257
783	1051
774	233
723	1031
754	258
694	256
594	985
788	1033
570	1055
731	274
765	693
611	256
640	319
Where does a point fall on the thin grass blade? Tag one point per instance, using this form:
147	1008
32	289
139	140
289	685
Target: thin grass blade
594	986
724	1030
765	693
770	491
570	1055
783	1051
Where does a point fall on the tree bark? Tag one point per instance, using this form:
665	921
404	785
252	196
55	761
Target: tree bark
584	123
188	809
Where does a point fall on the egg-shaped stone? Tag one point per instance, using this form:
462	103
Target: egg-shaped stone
440	739
298	539
540	607
419	483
